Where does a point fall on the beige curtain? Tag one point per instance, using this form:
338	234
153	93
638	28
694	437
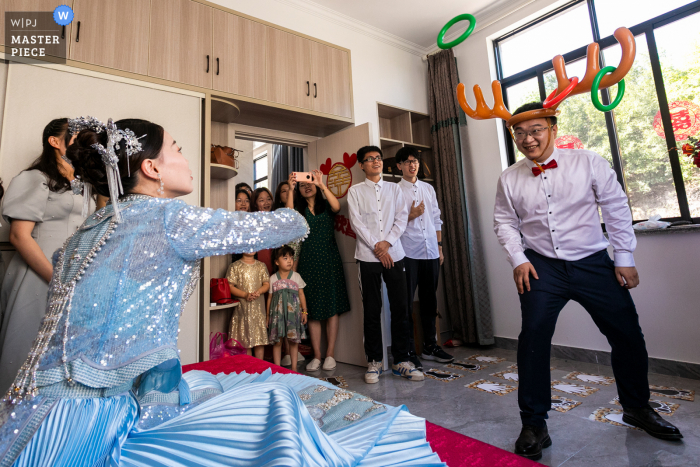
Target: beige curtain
466	287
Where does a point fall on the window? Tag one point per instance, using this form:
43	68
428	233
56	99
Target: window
260	171
642	136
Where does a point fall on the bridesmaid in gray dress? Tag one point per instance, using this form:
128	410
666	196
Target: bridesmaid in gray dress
42	211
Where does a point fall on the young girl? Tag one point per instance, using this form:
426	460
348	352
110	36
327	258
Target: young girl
286	306
248	280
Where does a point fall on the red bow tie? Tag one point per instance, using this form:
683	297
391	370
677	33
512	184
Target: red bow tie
536	170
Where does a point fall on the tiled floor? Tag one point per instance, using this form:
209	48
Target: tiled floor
577	441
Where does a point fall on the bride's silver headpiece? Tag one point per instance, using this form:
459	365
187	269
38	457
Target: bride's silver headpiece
109	154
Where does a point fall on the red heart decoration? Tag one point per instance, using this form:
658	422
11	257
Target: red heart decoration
349	161
326	168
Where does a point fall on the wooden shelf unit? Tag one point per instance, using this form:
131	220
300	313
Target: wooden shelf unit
400	128
218	192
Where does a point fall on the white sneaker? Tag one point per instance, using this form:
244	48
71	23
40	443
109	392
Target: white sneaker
300	357
329	363
407	370
313	365
374	369
286	361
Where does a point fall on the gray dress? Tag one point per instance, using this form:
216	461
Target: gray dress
24	293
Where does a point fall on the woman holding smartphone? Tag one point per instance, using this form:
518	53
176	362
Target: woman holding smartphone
320	264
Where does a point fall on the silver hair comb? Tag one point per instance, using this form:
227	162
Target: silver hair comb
109	153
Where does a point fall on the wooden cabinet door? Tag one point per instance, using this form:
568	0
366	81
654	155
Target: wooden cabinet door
180	43
240	47
330	80
288	69
30	5
111	33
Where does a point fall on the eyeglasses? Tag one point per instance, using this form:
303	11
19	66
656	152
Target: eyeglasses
372	159
521	135
411	162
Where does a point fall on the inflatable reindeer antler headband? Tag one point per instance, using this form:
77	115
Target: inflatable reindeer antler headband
565	87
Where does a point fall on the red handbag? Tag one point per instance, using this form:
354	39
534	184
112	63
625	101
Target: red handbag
220	291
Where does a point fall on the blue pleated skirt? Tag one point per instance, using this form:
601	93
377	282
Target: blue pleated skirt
258	420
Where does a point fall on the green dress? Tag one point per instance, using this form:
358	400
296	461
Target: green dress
322	268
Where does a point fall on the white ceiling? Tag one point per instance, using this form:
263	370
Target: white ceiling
415	21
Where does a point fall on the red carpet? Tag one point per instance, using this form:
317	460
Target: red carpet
454	449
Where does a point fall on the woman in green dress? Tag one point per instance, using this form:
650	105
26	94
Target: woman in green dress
320	264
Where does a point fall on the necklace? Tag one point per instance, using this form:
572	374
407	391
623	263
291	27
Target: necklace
60	303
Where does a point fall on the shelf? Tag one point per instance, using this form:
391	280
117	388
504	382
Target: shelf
224	307
224	111
222	172
390	142
419	146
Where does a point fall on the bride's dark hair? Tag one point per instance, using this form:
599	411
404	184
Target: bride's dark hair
88	163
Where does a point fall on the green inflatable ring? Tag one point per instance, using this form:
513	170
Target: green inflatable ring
460	39
594	90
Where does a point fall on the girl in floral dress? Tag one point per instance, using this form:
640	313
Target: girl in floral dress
286	307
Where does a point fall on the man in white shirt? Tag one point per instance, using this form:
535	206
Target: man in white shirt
552	198
378	215
422	244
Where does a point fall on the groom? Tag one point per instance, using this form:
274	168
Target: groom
551	199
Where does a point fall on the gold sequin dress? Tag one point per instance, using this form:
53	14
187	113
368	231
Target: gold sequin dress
249	321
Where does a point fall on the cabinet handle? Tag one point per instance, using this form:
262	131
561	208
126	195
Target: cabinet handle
315	91
308	89
77	35
217	65
63	32
207	63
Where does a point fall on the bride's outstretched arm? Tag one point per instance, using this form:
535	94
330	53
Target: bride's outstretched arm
196	232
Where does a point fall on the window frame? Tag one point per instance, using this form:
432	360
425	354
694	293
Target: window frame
261	179
645	28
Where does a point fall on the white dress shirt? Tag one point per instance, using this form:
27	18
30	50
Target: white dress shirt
419	241
377	212
557	211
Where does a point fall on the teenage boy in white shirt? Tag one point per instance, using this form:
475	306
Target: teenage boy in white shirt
378	215
422	243
546	217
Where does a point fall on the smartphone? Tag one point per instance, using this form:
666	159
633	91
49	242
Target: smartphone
304	177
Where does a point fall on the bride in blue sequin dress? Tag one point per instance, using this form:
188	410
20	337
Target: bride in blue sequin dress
103	384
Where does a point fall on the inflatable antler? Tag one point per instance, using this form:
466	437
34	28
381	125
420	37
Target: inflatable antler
626	39
482	111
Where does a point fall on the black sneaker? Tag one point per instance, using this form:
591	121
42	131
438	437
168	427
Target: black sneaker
435	353
413	358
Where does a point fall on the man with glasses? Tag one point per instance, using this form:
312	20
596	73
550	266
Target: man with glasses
378	215
546	217
422	243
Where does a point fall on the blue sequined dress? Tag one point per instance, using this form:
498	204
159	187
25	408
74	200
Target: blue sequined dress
103	385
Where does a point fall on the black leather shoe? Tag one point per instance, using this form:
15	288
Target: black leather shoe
651	422
531	442
413	358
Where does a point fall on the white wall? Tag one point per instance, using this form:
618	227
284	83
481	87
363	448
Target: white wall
37	94
380	72
668	299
